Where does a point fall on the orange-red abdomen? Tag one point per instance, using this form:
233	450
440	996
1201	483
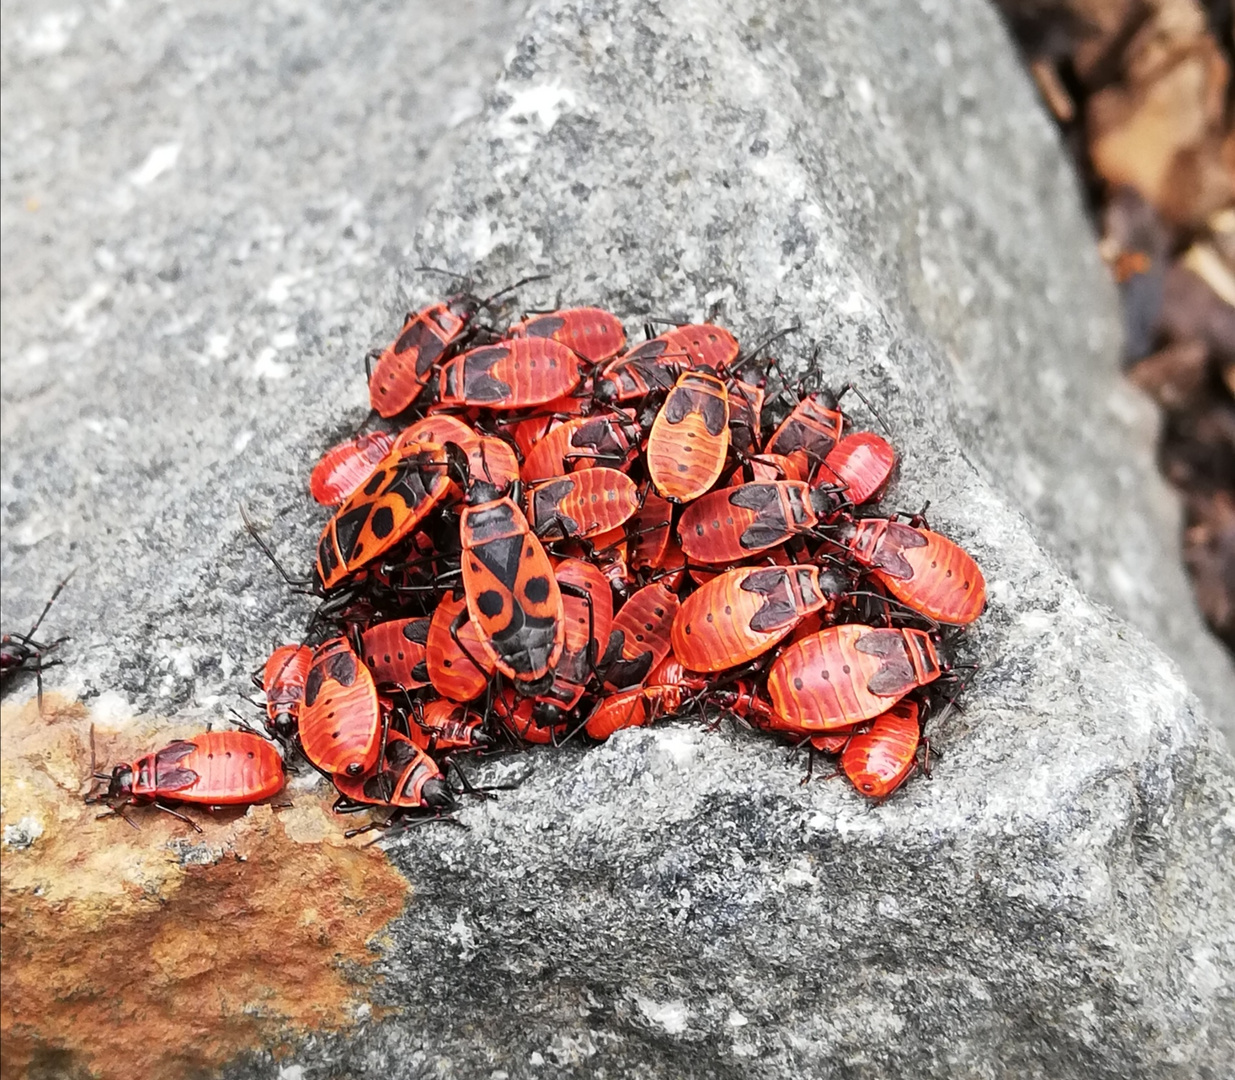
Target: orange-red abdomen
341	722
743	612
631	708
923	570
591	333
510	375
690	437
345	467
581	505
863	463
395	652
407	778
640	638
732	523
881	759
846	674
404	367
215	768
459	666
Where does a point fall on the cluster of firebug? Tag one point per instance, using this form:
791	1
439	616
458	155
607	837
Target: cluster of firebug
562	535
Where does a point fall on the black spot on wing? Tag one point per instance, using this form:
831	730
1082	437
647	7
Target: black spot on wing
409	482
383	522
341	667
537	589
545	326
174	779
715	413
755	497
417	630
490	603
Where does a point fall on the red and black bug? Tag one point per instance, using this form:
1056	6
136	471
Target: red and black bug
730	524
582	505
700	345
878	761
512	596
215	768
607	439
640	638
404	488
810	431
860	465
591	333
655	364
923	570
23	652
512	374
742	613
407	779
341	724
395	652
846	674
689	440
635	707
404	367
283	681
345	467
428	337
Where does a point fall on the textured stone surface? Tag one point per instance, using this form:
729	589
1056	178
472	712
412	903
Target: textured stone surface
1056	901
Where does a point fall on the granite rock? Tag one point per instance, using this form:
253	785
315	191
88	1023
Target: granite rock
1056	900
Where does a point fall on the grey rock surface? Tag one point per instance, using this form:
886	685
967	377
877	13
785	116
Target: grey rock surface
1056	901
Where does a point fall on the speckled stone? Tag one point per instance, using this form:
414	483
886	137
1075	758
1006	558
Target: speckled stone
1056	901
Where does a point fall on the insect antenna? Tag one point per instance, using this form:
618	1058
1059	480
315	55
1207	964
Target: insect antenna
252	530
511	288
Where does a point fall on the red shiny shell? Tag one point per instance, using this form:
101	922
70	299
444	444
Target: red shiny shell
846	674
340	723
512	374
591	333
881	759
215	768
689	440
345	467
862	463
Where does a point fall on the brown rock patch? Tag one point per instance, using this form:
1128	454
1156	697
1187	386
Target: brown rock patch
164	952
